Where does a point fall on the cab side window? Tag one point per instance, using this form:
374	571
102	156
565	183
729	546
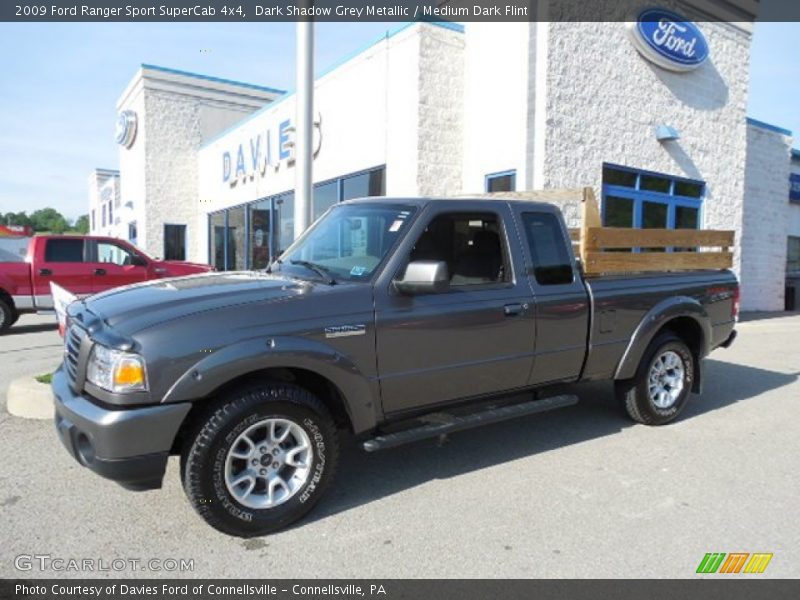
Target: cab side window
63	250
551	261
113	254
471	244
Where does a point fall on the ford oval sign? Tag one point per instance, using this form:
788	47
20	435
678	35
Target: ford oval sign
125	133
669	40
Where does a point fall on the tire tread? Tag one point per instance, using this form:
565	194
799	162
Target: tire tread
634	402
206	429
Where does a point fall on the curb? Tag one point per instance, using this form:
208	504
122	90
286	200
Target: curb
29	399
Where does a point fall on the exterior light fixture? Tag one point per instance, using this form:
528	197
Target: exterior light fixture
665	133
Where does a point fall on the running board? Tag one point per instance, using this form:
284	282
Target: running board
440	424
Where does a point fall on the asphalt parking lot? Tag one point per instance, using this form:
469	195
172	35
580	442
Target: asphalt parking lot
580	492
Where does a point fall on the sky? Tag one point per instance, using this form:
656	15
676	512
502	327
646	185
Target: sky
61	83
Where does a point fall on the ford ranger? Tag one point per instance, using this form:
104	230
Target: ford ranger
393	319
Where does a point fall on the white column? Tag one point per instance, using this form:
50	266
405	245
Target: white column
304	128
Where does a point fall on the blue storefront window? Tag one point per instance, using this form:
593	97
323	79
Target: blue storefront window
642	199
250	236
505	181
794	188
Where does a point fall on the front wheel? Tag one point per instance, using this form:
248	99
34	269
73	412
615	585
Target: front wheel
261	461
662	384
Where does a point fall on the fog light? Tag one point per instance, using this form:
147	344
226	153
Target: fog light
85	449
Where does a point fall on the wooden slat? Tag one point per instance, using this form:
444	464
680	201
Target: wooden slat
591	211
627	262
590	217
591	237
555	196
618	237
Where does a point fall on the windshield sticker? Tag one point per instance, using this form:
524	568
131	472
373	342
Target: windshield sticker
358	271
396	226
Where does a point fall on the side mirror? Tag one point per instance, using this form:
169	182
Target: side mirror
424	277
138	261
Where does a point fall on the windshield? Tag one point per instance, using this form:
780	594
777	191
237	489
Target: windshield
347	243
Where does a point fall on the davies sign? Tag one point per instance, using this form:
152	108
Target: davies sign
668	40
265	152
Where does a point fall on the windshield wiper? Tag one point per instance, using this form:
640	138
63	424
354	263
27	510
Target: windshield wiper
318	269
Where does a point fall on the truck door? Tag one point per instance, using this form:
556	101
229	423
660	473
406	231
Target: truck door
473	340
63	261
560	297
113	265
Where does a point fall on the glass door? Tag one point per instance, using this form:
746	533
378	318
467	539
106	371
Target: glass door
260	228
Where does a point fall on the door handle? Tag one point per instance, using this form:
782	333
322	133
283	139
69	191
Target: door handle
511	310
45	272
99	271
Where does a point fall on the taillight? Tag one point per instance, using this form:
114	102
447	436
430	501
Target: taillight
735	303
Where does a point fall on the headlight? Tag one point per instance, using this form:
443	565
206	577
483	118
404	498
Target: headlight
116	371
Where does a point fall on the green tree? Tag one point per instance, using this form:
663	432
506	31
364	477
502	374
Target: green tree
20	218
49	219
81	224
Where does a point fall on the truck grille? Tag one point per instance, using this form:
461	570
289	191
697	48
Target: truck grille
72	345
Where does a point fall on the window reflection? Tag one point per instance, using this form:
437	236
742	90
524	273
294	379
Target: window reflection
236	238
259	234
325	196
250	236
284	205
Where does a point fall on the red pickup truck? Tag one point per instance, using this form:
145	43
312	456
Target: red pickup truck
83	265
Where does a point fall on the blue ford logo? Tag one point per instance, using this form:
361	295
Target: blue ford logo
669	40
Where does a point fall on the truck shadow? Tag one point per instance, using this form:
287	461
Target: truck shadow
22	329
365	477
764	316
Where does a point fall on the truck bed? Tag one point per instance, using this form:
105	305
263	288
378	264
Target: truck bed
621	301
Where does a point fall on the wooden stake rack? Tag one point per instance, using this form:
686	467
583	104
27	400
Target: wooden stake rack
602	249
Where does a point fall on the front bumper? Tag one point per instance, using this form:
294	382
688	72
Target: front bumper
129	446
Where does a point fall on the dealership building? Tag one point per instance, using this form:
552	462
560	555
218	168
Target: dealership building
206	169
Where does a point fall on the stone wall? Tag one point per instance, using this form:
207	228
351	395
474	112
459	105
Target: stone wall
604	101
766	214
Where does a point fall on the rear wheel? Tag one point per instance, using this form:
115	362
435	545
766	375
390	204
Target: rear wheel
260	461
663	382
8	316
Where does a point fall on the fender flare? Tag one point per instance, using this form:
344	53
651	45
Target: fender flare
651	324
234	361
7	286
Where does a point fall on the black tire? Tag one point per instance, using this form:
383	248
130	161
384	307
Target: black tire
635	395
8	316
203	460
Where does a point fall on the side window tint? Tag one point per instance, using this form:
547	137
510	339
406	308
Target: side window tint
113	254
551	261
63	251
470	243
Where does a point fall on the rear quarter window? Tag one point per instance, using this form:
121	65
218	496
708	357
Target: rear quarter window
61	251
551	261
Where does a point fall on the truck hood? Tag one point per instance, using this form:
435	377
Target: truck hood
132	308
178	268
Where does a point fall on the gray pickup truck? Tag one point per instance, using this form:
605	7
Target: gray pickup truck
391	319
